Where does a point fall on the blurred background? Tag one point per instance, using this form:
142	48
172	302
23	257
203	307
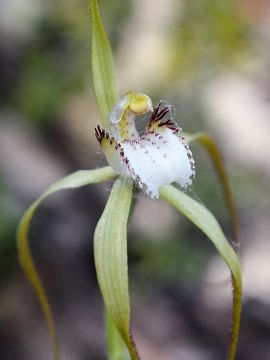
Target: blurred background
211	59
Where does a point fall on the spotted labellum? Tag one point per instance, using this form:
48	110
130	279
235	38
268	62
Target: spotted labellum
159	157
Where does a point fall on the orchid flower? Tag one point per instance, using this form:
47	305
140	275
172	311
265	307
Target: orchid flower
151	162
159	157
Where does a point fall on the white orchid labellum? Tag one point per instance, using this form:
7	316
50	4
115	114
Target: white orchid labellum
159	157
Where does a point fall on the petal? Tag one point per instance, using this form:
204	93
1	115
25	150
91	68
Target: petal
110	148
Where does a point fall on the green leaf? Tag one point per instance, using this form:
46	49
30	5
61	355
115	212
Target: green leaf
102	65
110	250
205	221
210	146
75	180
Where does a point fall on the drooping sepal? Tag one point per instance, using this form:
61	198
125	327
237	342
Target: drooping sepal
110	250
212	149
204	220
75	180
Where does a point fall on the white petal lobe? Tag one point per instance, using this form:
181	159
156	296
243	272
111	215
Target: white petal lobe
158	159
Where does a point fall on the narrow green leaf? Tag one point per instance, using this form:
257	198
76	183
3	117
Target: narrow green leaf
75	180
210	146
116	345
110	250
205	221
102	65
